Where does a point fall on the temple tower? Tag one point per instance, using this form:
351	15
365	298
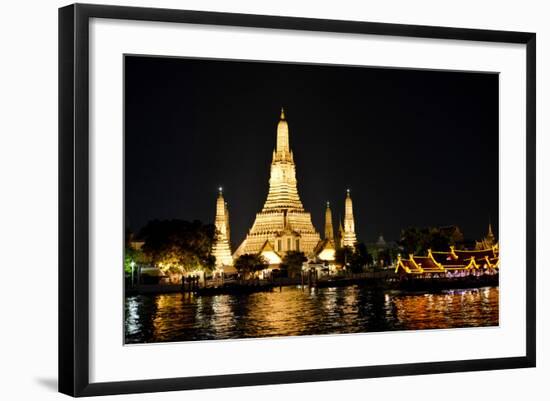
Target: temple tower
283	187
283	222
329	231
221	249
489	241
349	238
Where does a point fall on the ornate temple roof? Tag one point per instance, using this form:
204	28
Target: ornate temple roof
326	243
452	260
269	253
477	253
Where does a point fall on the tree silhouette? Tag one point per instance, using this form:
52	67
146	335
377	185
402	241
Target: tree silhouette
248	264
417	241
355	259
293	261
179	246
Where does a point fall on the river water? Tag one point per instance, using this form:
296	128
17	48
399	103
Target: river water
295	311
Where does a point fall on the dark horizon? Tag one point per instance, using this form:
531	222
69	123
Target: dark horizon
416	147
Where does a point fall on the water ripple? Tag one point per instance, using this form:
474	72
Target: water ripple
293	311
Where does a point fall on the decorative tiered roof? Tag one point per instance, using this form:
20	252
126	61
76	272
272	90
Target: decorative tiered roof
453	260
325	250
269	253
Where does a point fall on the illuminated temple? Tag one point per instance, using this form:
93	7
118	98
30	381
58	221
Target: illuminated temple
221	249
283	224
348	237
326	249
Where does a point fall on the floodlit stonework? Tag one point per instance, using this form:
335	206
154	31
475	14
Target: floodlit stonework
283	221
221	249
349	238
326	249
329	231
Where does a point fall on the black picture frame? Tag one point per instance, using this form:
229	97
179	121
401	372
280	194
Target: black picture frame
74	199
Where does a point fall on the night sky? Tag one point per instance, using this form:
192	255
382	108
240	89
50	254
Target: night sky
416	147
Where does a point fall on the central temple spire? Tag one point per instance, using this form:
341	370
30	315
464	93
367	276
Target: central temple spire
283	146
283	222
283	187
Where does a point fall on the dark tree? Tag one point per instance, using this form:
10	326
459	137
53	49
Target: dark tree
360	258
293	261
179	245
417	241
132	255
248	264
385	256
343	255
355	259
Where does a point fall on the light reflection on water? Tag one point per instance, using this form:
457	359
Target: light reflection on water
293	311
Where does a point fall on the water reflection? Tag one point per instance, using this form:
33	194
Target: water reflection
293	311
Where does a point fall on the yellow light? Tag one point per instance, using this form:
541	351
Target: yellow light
271	257
327	254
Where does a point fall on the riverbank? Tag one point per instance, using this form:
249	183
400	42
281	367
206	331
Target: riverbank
384	281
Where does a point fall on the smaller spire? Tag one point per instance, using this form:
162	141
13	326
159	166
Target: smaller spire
349	223
220	190
282	113
348	192
329	231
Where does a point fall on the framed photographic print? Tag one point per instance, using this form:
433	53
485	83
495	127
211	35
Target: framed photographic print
249	199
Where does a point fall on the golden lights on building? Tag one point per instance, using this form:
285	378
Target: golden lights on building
326	249
484	259
349	238
283	224
489	241
329	231
283	221
221	249
452	262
